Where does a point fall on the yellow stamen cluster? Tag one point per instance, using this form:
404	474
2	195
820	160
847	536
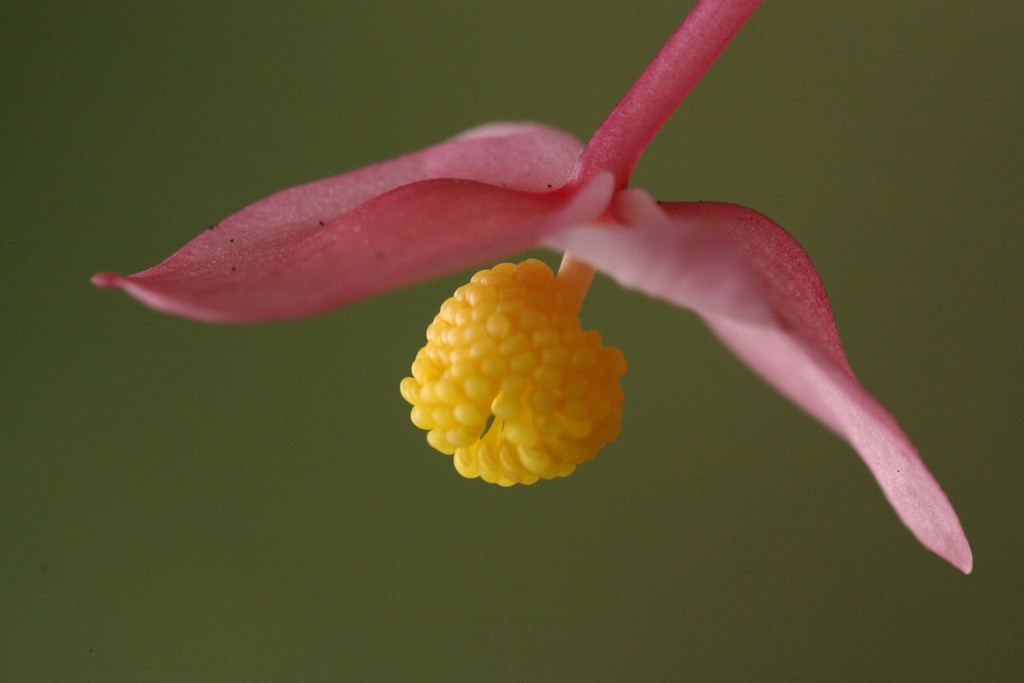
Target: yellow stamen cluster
510	384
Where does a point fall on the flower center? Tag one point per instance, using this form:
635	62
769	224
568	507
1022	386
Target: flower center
510	384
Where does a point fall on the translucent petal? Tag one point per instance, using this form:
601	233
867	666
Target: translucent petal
759	292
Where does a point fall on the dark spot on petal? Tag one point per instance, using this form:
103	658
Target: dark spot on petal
233	268
231	240
321	223
549	186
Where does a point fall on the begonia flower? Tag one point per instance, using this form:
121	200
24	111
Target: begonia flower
503	188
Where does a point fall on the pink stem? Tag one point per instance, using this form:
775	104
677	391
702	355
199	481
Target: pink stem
685	58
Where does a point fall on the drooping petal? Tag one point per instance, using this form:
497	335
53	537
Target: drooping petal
401	237
239	269
759	292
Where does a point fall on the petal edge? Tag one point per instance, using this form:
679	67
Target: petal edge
796	348
402	237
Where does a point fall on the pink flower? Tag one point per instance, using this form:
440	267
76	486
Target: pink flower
502	188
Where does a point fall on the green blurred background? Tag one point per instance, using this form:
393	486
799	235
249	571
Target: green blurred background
187	502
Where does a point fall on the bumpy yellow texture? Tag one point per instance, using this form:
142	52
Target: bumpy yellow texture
510	384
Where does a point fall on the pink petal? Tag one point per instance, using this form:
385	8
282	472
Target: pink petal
248	267
763	298
404	236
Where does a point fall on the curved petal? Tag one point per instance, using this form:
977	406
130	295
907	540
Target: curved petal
518	156
763	298
404	236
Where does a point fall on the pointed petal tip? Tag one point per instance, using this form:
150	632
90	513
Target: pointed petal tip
962	558
949	543
107	280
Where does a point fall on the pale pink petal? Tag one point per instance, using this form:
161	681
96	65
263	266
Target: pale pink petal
404	236
689	265
765	301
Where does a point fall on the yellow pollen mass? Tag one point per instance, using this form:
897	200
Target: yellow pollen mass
509	384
